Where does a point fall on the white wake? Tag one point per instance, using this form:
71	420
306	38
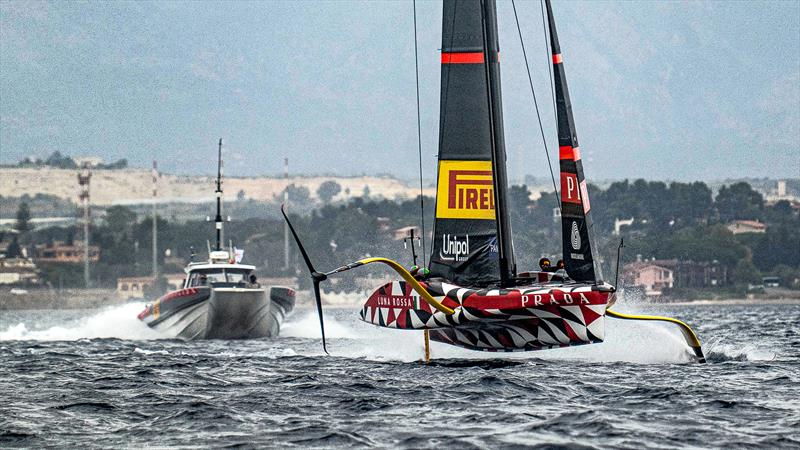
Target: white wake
116	322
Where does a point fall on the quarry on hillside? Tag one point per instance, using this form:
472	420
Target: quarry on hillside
114	187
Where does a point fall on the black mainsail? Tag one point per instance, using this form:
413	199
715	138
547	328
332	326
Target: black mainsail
472	234
576	222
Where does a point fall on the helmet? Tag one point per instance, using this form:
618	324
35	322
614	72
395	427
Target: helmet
544	262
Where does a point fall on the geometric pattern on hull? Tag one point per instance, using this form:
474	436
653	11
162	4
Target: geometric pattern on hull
523	318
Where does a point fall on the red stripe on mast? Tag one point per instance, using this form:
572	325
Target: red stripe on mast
462	58
557	58
568	152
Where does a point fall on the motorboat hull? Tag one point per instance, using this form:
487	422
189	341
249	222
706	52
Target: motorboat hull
220	312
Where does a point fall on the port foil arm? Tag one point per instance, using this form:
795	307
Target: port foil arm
397	267
688	334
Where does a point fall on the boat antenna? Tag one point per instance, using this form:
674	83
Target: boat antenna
218	193
419	149
411	238
536	105
619	250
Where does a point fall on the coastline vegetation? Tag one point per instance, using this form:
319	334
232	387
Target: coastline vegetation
683	221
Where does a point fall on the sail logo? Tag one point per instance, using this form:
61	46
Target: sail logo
570	192
575	236
465	190
574	192
453	248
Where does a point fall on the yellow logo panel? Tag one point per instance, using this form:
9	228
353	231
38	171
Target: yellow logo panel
465	190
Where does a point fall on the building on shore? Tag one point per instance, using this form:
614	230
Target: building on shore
653	278
747	226
60	252
134	287
19	272
657	276
142	287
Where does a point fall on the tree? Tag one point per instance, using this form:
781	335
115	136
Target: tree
327	190
739	201
746	272
13	250
23	218
60	161
298	194
690	202
119	219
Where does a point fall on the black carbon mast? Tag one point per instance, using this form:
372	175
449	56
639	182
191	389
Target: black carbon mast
576	220
472	233
508	269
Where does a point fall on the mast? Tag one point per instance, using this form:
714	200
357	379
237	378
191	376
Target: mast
83	180
155	222
472	234
218	193
500	180
576	221
285	223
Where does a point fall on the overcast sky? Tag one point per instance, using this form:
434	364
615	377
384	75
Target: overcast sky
669	90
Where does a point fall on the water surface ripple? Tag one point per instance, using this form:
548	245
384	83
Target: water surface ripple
73	379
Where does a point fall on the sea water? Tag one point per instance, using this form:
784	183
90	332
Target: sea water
102	379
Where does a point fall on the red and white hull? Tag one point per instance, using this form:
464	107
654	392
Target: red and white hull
523	318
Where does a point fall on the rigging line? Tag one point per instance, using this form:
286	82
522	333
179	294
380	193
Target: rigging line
419	142
446	90
535	103
549	51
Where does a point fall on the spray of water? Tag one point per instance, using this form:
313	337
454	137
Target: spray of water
637	342
116	322
628	341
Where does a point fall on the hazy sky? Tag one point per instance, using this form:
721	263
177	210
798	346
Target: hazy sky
661	90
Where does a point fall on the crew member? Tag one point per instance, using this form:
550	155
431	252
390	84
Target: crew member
419	274
544	263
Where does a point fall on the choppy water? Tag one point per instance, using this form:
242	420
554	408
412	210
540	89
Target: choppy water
103	380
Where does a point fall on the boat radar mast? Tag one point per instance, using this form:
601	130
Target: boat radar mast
218	218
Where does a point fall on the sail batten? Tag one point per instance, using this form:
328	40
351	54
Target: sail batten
576	220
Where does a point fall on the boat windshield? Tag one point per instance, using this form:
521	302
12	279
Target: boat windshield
218	277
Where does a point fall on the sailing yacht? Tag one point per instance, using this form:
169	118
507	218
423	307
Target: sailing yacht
473	296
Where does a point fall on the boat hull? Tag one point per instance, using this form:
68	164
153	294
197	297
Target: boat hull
524	318
220	313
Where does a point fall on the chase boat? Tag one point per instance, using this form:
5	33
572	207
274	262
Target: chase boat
220	297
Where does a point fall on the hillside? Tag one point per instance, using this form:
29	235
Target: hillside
111	187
